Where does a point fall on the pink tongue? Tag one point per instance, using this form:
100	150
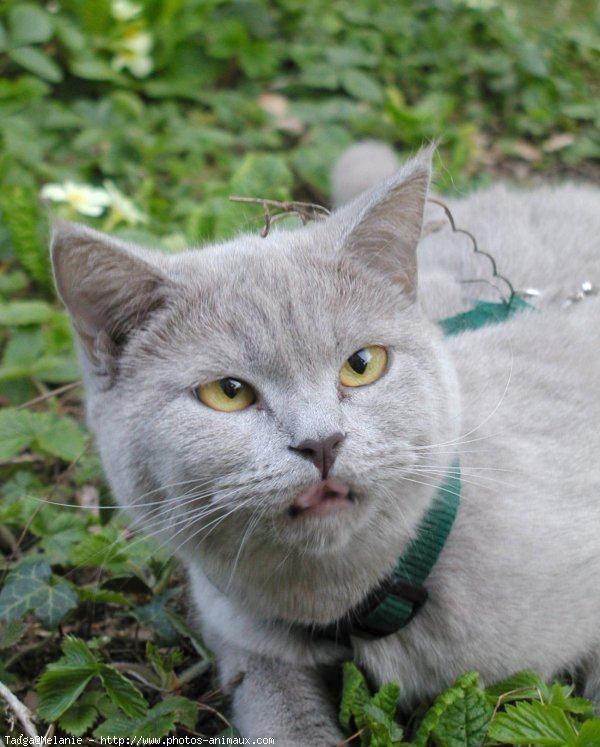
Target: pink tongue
322	491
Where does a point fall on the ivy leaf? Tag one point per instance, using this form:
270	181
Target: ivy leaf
155	614
533	723
30	588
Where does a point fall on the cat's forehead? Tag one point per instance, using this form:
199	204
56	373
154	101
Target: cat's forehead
274	303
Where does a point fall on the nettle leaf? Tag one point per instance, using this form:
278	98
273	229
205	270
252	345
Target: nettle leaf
533	723
459	716
30	588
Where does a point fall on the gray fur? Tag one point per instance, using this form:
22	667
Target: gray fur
516	585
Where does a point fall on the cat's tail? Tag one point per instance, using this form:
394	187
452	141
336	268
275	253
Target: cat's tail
359	168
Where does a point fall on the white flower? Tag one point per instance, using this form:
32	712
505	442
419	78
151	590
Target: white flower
86	200
123	10
133	53
122	207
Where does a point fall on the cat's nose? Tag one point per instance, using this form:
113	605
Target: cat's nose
322	453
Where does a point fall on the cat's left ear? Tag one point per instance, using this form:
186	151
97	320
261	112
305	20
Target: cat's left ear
385	224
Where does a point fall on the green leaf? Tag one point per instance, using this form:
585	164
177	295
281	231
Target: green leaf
10	633
30	588
65	680
520	686
355	695
589	735
361	86
122	692
58	690
459	716
533	723
27	228
18	313
29	24
155	614
15	432
560	695
59	436
157	722
78	718
37	62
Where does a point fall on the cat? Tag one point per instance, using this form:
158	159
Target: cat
286	410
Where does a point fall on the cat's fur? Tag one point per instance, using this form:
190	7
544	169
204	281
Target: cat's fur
517	583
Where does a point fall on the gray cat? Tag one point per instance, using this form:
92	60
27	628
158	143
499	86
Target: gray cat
287	413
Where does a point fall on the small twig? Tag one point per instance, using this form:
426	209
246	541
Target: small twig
306	211
22	459
49	395
476	250
20	710
350	738
195	670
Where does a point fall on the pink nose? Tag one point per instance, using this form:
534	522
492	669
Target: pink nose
321	453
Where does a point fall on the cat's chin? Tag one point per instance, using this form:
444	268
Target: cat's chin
325	497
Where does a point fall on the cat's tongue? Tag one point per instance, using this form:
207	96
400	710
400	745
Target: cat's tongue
323	498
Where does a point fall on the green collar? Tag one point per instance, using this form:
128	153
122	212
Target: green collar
399	597
482	314
394	603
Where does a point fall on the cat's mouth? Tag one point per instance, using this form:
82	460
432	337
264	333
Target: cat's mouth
326	497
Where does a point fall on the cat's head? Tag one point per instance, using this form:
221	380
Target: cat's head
266	398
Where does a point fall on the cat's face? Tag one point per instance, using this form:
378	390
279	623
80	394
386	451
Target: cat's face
226	394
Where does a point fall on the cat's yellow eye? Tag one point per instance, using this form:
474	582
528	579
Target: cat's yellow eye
226	395
364	367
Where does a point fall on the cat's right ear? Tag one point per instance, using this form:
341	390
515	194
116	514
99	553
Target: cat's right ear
382	227
108	287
